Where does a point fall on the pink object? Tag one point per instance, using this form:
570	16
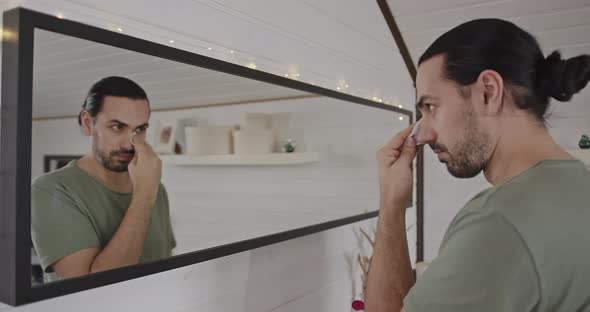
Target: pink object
358	305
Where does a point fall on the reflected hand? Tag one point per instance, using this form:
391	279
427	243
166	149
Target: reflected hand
396	176
145	169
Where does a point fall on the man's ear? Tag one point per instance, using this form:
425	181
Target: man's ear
86	123
491	85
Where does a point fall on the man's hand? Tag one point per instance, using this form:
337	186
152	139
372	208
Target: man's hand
145	170
390	273
396	170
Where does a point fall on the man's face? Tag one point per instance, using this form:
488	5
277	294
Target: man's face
112	128
450	122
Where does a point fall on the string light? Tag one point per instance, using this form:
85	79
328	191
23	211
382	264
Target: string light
120	29
60	16
8	35
401	118
292	75
342	85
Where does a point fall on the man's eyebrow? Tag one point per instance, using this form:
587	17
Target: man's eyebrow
125	125
118	121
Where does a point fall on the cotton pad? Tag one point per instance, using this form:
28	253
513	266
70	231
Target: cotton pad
414	133
132	136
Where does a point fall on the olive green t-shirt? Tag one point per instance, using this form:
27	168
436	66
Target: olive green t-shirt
71	211
521	246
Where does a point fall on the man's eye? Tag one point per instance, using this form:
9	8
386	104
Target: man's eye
429	107
117	127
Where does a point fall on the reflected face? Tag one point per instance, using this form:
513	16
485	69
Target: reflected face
450	124
112	129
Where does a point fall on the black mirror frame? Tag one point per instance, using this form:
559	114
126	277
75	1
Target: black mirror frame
15	157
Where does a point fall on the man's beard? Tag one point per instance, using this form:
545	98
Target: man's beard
107	161
470	155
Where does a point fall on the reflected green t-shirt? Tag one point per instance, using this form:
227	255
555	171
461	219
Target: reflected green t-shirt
522	246
71	211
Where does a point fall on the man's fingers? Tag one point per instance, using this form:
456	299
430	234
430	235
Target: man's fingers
409	151
391	161
139	143
399	139
141	146
133	161
388	157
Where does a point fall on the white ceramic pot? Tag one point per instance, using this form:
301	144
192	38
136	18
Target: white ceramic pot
208	140
253	141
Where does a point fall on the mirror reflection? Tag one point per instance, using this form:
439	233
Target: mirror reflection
136	158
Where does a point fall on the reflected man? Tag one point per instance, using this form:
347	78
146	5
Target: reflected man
108	209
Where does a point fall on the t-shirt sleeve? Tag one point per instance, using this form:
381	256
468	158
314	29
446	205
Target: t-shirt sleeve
483	265
171	236
58	226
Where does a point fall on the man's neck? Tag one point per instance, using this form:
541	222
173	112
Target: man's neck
116	181
521	147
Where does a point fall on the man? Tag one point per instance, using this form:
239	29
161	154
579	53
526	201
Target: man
522	245
107	209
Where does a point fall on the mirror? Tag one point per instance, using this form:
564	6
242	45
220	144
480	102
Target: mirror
241	159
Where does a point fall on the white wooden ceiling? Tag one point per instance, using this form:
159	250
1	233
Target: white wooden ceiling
65	68
558	25
563	24
331	43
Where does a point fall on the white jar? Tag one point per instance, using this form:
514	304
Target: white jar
253	141
208	140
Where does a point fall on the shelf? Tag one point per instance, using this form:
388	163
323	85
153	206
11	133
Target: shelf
581	154
276	159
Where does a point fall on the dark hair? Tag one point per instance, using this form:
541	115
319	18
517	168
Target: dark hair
113	86
498	45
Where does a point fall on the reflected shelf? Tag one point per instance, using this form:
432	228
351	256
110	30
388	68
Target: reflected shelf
274	159
581	154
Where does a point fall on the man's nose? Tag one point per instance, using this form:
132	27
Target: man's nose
424	134
125	144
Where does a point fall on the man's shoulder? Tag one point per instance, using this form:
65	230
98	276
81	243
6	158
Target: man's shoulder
56	179
476	207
